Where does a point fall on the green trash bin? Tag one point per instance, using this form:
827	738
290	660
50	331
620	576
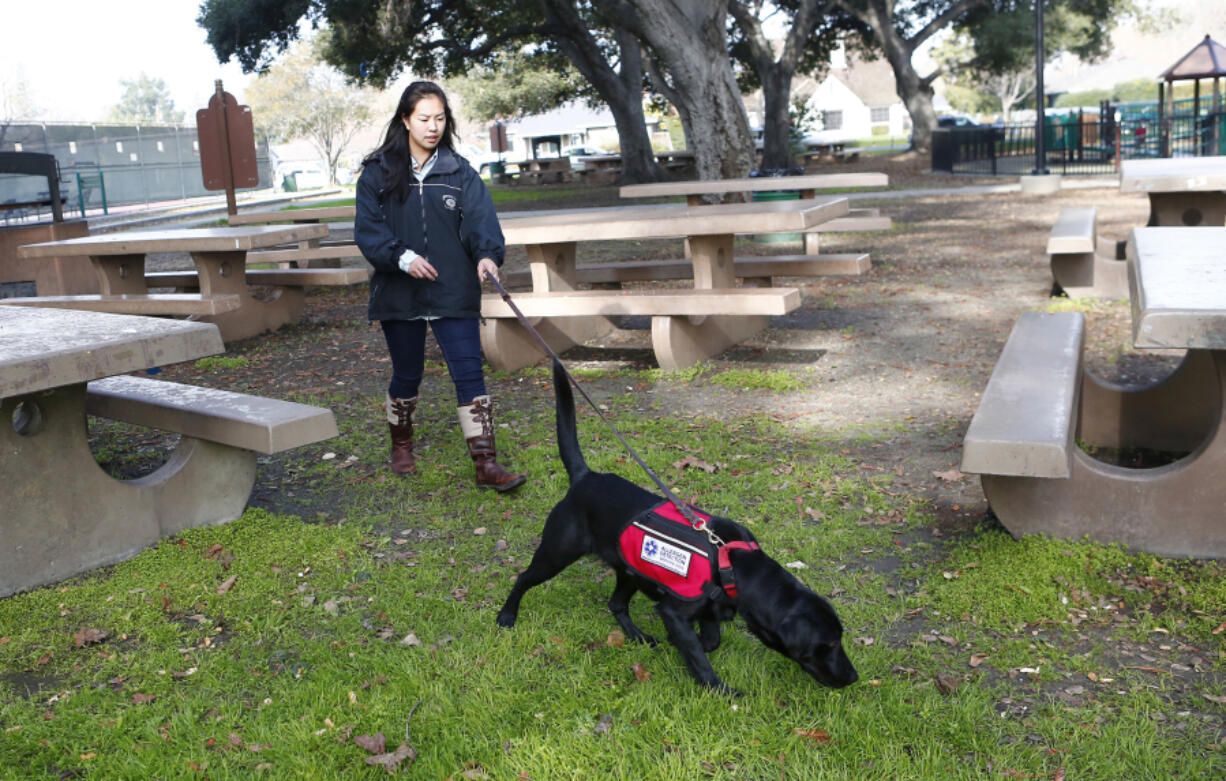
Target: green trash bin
777	195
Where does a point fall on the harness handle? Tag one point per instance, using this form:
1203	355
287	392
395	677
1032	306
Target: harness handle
690	516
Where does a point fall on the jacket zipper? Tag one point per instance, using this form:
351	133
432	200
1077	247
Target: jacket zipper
425	237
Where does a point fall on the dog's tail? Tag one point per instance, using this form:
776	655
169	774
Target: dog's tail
568	434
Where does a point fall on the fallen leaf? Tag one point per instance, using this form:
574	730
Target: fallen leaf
86	636
952	476
1220	628
331	608
227	584
410	640
696	463
947	683
820	737
978	659
796	565
640	672
391	762
459	594
1220	700
140	699
616	639
375	744
480	530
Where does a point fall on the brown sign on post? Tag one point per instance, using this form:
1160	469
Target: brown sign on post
227	146
498	137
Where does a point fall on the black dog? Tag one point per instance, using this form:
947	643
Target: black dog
783	613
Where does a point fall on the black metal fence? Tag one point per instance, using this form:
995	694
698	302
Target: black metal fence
1076	143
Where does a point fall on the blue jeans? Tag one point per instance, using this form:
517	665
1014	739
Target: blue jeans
458	338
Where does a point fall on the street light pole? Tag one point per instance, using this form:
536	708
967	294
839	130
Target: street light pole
1040	152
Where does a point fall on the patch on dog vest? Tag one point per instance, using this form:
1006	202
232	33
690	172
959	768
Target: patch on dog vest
663	547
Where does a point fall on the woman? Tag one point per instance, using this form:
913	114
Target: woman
427	224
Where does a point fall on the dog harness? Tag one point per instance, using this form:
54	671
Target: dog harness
661	545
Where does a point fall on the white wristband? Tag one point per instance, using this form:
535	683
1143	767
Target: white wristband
407	257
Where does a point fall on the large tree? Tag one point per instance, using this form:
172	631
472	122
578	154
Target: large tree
376	40
304	97
814	28
689	63
145	99
1001	30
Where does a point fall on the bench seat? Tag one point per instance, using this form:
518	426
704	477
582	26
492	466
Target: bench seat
239	420
313	214
1027	417
678	302
138	304
289	277
301	254
1077	268
743	268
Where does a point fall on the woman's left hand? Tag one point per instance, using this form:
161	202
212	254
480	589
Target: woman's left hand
487	266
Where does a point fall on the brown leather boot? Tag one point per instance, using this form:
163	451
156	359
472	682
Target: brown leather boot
477	423
400	423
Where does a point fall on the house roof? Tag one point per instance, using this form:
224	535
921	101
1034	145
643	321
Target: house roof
872	81
567	119
1206	60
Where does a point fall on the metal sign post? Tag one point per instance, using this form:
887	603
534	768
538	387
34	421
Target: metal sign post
226	134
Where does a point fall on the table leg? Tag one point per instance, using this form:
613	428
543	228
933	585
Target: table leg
681	342
1188	208
1173	510
508	345
120	274
63	515
225	273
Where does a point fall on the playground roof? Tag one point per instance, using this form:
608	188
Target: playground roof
1206	60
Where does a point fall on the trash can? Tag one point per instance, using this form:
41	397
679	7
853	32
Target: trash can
776	195
290	183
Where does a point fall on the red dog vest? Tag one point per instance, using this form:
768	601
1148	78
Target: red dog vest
662	546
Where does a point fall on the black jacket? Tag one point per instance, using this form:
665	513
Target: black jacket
448	219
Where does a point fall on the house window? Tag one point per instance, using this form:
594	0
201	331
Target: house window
879	114
832	120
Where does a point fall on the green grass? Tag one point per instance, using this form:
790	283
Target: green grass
221	363
264	646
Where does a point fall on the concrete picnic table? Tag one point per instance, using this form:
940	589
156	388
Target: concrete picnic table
688	325
220	256
62	514
1182	190
807	186
1177	279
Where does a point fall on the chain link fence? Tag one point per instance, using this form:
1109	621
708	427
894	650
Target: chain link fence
123	163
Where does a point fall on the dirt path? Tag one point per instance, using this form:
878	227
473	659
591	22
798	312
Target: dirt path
895	358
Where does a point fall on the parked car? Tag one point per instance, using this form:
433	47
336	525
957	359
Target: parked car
479	158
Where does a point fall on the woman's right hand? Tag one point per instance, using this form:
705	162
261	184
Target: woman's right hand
420	268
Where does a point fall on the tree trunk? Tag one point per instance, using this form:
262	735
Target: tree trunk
777	135
622	90
689	41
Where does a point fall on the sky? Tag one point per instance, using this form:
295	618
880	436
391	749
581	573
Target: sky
72	54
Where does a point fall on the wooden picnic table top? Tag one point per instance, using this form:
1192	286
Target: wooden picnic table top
1173	174
42	348
233	239
1178	287
666	221
756	184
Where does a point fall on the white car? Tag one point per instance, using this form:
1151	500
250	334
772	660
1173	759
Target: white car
577	153
479	158
302	176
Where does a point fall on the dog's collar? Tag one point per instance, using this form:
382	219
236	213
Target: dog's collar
727	578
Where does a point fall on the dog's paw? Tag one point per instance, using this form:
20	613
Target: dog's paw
506	619
643	637
727	691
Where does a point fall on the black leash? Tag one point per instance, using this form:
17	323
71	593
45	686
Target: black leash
683	508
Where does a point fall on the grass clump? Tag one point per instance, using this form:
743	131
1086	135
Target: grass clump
757	379
222	363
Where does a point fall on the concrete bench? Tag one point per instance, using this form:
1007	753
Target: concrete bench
237	420
174	304
743	268
291	277
681	302
1027	417
1077	268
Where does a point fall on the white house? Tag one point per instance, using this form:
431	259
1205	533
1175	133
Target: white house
856	100
546	135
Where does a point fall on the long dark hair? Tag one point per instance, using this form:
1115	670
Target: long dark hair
395	147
